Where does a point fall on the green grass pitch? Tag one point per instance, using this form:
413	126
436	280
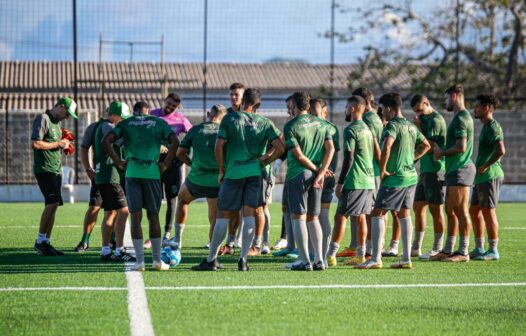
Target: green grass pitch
252	311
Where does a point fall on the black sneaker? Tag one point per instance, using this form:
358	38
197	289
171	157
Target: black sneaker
301	267
242	265
57	252
205	266
44	249
82	247
319	266
124	257
106	257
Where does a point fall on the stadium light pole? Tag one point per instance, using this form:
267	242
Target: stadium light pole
331	76
75	90
205	51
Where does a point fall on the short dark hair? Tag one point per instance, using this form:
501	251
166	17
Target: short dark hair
217	109
365	93
316	101
139	106
301	100
289	98
488	99
251	97
235	86
174	96
392	100
356	99
457	88
417	99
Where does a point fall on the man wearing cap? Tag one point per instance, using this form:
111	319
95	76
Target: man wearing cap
108	180
142	137
47	146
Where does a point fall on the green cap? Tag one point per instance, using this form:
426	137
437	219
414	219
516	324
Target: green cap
120	109
70	104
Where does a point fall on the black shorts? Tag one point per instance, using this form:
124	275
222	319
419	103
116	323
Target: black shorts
50	185
95	199
329	183
171	179
198	191
285	196
430	188
303	197
462	177
113	197
486	194
392	198
143	194
234	193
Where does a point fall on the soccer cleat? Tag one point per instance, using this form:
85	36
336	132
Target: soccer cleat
300	266
148	244
167	242
225	249
160	266
206	266
207	246
172	244
55	251
319	266
237	243
355	261
106	257
347	252
428	255
280	244
265	249
124	257
390	252
416	253
331	261
477	251
242	265
138	267
370	264
293	254
440	256
489	255
402	265
82	247
457	257
217	264
283	252
44	249
254	252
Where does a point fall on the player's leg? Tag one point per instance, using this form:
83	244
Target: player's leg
181	214
478	224
90	218
488	205
392	249
459	199
50	186
314	227
298	197
252	201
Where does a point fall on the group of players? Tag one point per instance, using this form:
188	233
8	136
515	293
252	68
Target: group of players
234	154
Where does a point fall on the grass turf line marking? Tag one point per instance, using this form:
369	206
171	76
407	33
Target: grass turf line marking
198	288
138	312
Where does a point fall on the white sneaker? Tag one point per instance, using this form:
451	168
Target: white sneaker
160	266
281	243
265	249
391	251
138	267
207	246
289	265
428	255
416	253
237	243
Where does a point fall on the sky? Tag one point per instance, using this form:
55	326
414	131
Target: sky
239	31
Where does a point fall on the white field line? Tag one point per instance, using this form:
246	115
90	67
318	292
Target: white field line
138	312
265	287
80	226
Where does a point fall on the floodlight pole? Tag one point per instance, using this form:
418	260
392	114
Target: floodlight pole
205	51
331	76
75	90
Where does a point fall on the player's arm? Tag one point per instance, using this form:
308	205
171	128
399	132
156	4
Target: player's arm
219	154
348	160
84	158
107	145
278	148
498	152
174	144
459	147
377	151
384	156
302	159
44	145
182	155
327	158
422	148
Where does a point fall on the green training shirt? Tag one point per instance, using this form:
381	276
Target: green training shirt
309	133
358	138
490	135
246	135
401	164
105	169
373	121
142	137
47	129
433	127
202	139
335	134
460	127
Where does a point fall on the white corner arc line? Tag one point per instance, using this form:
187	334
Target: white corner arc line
138	312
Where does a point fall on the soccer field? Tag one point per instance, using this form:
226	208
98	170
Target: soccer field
76	294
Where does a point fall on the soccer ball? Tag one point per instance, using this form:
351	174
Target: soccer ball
170	256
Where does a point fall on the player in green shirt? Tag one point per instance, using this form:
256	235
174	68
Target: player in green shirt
402	144
318	107
239	151
108	181
310	153
47	144
202	180
488	180
142	138
460	174
430	187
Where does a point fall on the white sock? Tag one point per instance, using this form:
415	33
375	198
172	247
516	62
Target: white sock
316	238
325	231
249	228
138	246
41	237
105	250
407	231
378	231
301	237
220	231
